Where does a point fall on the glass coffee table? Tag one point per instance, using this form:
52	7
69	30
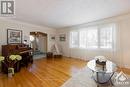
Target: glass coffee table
102	74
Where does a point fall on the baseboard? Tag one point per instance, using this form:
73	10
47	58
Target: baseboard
76	58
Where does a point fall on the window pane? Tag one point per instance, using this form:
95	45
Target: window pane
106	35
92	38
83	39
74	39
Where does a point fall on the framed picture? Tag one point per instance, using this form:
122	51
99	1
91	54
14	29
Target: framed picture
62	37
52	38
14	36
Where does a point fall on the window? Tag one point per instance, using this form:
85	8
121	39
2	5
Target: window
106	37
93	37
82	40
74	39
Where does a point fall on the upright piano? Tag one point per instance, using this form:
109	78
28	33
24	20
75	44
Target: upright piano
21	49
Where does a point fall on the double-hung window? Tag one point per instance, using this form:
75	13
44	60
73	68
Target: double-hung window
74	40
92	37
82	39
106	36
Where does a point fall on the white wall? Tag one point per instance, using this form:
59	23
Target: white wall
120	57
25	27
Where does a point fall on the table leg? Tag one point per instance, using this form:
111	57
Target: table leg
97	77
98	81
111	79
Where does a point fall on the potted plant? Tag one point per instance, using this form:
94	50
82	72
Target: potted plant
11	60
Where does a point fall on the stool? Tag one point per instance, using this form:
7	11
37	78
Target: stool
49	55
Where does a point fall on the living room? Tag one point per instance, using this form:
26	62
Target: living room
67	43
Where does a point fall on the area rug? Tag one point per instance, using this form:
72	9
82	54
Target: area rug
84	79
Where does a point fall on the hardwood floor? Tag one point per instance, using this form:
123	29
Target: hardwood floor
44	73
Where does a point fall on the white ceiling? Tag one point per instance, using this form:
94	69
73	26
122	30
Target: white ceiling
63	13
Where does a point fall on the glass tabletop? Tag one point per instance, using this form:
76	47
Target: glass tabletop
110	67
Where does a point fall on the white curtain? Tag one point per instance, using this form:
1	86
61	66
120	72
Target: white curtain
96	40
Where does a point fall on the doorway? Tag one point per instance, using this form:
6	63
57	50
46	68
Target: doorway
38	44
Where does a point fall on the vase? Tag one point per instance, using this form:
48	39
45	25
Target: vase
10	72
